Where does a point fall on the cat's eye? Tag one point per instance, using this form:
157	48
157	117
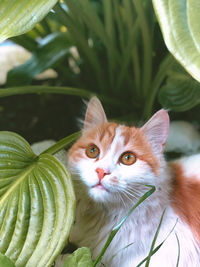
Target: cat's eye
92	151
127	158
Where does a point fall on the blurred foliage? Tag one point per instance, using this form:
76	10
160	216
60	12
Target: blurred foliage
112	48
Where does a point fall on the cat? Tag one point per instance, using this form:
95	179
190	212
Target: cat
111	164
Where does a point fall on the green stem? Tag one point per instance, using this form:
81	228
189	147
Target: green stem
160	76
56	90
63	143
116	228
147	43
44	89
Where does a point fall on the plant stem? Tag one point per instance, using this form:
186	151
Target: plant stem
160	76
63	143
44	89
116	228
56	90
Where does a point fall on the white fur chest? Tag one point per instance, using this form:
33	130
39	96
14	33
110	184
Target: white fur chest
93	228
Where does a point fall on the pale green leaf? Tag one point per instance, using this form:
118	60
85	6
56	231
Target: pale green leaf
80	258
20	16
5	261
36	204
180	24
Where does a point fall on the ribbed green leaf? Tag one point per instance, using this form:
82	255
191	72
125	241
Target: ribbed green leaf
181	91
52	49
36	203
17	17
180	24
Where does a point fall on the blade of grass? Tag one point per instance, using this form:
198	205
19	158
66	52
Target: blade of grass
166	64
121	249
154	241
74	12
117	227
96	26
110	30
147	45
159	246
119	23
131	43
136	69
179	251
89	55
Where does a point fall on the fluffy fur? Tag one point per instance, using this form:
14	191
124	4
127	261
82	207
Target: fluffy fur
101	204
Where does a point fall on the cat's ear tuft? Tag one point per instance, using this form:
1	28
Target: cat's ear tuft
95	114
156	130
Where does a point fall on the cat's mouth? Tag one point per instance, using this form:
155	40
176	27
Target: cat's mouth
100	186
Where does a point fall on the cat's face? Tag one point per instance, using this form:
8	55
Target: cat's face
113	161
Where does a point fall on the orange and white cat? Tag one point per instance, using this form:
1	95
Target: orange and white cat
110	165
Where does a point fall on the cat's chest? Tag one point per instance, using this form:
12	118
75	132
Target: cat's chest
133	241
92	229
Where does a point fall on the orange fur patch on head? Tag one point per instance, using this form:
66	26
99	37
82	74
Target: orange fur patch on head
101	135
186	199
138	144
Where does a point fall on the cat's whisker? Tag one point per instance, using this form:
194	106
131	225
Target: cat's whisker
126	196
131	197
121	199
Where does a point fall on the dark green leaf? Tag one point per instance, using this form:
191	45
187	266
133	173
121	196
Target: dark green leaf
80	258
52	49
181	92
36	203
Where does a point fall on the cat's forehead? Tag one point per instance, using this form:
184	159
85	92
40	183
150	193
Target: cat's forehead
114	134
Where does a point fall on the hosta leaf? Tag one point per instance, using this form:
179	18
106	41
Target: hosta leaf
181	91
17	17
5	261
36	203
80	258
52	49
180	24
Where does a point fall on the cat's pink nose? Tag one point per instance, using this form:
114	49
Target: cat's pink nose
101	173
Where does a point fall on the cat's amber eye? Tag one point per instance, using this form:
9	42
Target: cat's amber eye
92	151
127	158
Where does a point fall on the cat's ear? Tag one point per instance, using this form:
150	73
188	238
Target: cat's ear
156	130
95	114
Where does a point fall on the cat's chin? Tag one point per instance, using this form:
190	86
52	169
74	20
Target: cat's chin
99	193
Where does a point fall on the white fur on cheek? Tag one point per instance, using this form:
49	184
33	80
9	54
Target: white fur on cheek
87	172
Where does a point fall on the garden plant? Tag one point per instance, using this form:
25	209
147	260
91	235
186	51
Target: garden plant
135	55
